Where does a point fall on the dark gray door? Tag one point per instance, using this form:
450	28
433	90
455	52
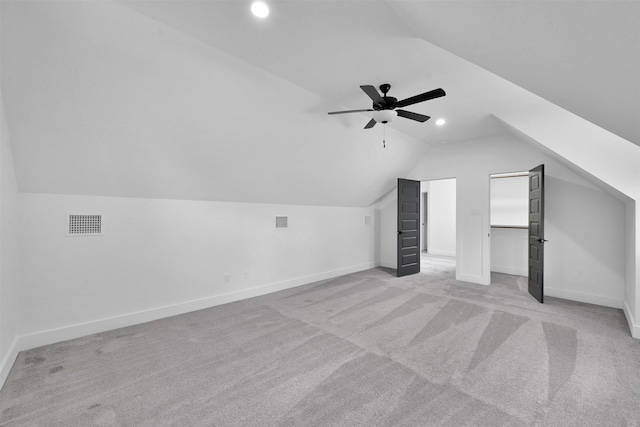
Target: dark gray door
536	232
408	227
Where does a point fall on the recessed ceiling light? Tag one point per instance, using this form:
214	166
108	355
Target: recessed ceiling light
440	122
260	9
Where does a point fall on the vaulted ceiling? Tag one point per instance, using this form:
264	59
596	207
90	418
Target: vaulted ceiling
201	100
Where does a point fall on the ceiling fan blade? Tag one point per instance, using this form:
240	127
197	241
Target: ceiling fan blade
371	124
372	93
436	93
413	116
350	111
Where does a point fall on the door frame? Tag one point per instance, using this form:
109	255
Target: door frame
458	216
493	175
487	261
425	220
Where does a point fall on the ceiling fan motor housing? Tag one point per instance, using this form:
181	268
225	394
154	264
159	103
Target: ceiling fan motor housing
389	103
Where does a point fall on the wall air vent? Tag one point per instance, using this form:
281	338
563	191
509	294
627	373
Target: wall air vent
282	222
84	225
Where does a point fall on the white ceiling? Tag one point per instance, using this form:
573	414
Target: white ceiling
330	48
200	100
583	56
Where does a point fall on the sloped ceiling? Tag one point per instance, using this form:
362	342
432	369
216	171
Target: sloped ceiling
583	56
200	100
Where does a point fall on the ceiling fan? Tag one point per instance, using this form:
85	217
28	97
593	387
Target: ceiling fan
384	107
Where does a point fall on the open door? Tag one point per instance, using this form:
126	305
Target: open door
408	227
536	232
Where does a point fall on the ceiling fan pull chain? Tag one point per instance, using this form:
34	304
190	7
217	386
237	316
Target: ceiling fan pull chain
384	135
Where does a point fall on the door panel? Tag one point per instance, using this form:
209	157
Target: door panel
536	232
408	227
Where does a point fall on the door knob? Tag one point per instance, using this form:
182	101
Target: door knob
542	240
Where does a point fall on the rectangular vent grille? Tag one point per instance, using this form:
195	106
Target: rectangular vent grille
85	225
282	222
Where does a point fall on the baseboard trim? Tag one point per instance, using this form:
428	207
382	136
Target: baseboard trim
509	270
462	277
52	336
634	328
8	361
441	253
584	297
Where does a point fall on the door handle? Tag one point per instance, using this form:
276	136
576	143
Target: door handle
542	240
399	232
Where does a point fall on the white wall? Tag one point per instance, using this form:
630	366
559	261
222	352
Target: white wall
387	214
163	257
424	191
509	251
576	212
586	249
510	201
124	90
442	217
633	267
9	303
630	261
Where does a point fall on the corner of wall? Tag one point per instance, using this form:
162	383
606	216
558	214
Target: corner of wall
632	261
633	326
478	280
8	249
7	361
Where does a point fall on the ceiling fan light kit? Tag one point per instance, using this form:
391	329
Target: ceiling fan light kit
384	116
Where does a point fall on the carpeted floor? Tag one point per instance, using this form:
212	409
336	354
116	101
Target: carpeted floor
366	349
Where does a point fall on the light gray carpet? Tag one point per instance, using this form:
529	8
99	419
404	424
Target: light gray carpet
367	349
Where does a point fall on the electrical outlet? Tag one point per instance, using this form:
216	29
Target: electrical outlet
226	277
246	274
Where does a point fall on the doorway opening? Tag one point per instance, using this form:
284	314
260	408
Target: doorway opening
509	220
438	222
